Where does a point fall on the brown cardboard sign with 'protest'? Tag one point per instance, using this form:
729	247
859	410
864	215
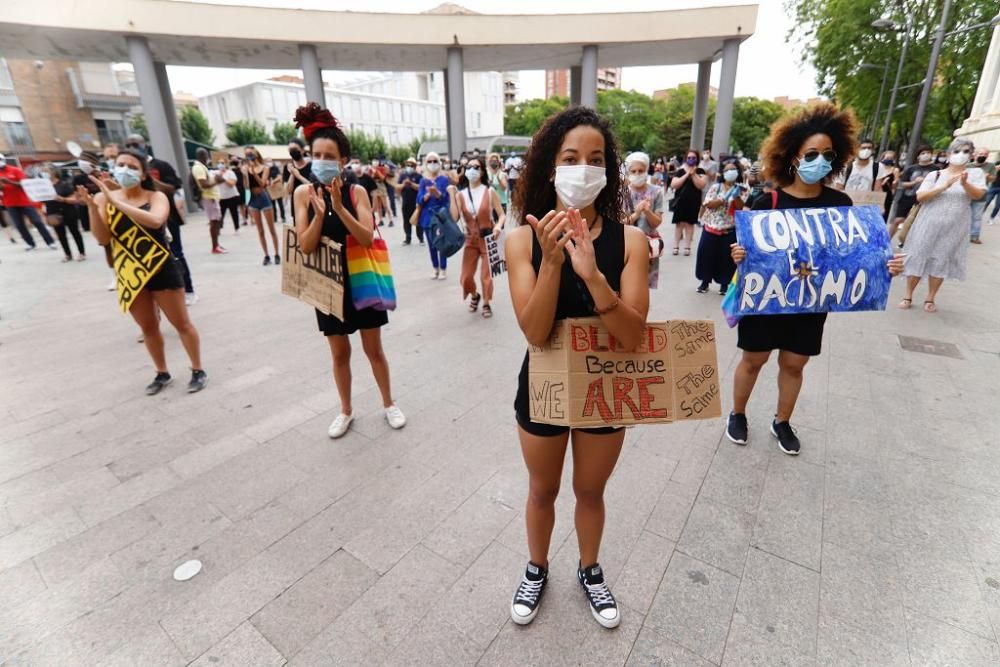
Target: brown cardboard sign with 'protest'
316	278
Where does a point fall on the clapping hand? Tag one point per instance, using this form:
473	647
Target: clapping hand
318	202
552	235
581	247
103	183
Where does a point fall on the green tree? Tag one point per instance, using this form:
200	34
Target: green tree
360	144
138	124
837	37
635	119
415	144
752	120
246	132
284	132
398	154
524	118
674	131
195	126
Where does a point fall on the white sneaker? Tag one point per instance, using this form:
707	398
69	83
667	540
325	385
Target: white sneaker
190	298
437	274
395	417
113	284
443	276
339	426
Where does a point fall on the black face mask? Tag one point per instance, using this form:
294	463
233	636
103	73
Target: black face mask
981	159
295	154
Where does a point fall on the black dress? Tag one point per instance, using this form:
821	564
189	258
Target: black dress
169	275
688	203
366	318
801	333
573	301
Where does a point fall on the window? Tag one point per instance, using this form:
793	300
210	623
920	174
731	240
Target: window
15	130
6	83
111	131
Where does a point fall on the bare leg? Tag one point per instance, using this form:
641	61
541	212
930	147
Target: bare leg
544	458
933	285
678	234
269	216
894	227
911	284
688	235
143	311
745	378
171	302
255	216
371	343
594	459
790	367
340	349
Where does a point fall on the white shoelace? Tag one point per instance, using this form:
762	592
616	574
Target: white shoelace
600	594
529	590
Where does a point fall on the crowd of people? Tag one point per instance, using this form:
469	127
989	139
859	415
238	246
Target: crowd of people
584	238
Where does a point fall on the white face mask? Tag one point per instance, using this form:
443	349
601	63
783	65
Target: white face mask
433	167
637	179
578	185
472	174
864	153
958	159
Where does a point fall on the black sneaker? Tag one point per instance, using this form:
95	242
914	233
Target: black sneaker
277	260
788	442
267	260
602	602
198	381
159	382
737	429
702	288
528	596
723	289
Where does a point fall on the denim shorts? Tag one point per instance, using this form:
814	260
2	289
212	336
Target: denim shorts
260	201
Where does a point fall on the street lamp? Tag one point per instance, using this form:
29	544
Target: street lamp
888	25
881	91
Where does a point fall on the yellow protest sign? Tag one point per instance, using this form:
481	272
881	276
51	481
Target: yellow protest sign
136	256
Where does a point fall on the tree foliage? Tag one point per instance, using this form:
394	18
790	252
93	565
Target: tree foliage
138	124
245	132
284	132
524	118
839	37
195	126
752	121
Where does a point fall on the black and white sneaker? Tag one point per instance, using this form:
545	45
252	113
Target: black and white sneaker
737	429
198	381
602	602
159	382
788	442
524	606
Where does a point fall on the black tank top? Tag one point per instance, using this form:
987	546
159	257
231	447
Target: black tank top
333	227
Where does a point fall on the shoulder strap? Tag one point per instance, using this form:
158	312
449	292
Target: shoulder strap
774	199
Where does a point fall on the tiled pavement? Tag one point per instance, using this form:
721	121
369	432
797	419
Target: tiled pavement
880	545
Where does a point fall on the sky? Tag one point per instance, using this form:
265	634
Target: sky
768	65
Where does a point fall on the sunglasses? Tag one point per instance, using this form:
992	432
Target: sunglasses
812	154
133	145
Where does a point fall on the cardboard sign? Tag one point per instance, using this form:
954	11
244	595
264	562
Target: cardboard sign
317	278
584	379
38	189
495	253
867	197
136	256
812	260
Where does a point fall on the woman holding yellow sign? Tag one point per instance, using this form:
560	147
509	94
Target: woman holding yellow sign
132	219
574	258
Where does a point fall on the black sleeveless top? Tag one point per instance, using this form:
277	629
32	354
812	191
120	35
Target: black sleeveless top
574	299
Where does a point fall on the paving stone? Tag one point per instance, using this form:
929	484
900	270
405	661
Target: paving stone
149	647
22	544
126	496
693	606
244	647
736	477
19	584
718	535
935	643
204	458
862	591
750	644
652	649
790	516
435	642
843	644
29	508
671	511
643	571
462	536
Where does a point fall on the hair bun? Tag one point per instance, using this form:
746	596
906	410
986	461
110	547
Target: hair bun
312	117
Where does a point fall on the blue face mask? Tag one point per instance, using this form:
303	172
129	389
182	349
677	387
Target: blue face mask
815	171
126	176
730	175
326	171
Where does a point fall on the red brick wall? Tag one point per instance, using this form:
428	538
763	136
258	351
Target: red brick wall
49	106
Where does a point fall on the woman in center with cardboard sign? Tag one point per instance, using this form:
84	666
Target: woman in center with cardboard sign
334	208
574	258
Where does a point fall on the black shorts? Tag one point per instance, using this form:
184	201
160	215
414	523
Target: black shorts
550	430
904	206
799	334
168	277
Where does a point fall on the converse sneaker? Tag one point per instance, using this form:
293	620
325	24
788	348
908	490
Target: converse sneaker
524	606
444	275
436	275
602	602
788	442
159	382
737	428
339	426
395	417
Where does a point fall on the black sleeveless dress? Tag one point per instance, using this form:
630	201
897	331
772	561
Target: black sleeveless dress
574	300
169	276
354	319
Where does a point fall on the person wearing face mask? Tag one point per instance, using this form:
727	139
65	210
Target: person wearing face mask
298	171
478	205
229	194
275	189
939	240
801	155
978	206
718	227
644	207
407	185
574	257
941	160
709	164
688	185
62	215
256	180
887	180
336	209
910	180
19	206
380	202
496	179
863	173
138	200
208	181
432	195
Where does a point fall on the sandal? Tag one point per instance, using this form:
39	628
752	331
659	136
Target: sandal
676	250
487	311
687	252
474	303
930	307
905	304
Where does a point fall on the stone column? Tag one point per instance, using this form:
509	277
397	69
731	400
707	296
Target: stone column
699	123
588	77
575	75
179	160
727	90
455	102
312	74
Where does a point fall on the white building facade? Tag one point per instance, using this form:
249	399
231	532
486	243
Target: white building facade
399	107
983	124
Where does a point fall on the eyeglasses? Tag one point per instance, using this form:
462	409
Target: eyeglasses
812	154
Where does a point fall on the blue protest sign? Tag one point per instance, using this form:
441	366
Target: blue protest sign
812	260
